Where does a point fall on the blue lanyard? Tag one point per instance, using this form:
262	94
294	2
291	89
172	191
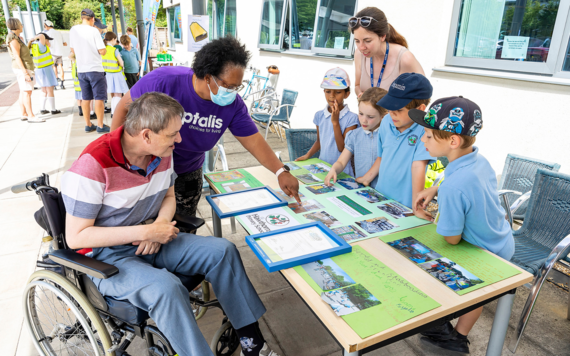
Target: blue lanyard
383	66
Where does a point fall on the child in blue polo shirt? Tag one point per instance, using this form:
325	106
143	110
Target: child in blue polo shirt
468	200
335	121
402	158
361	144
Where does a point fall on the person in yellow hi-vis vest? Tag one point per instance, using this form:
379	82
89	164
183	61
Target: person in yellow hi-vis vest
77	87
45	76
113	65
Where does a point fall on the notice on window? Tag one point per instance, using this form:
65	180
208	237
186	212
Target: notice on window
197	32
515	47
339	42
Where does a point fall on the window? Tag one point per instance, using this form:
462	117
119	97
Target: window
222	14
513	35
310	26
174	25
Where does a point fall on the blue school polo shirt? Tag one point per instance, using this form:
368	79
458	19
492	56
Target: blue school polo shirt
363	145
329	150
469	205
398	151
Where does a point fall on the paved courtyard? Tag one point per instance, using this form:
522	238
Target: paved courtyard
27	150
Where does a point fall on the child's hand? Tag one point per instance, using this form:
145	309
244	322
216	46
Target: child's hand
335	112
302	158
331	175
424	198
363	180
422	214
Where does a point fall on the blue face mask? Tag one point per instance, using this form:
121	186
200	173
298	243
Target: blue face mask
224	97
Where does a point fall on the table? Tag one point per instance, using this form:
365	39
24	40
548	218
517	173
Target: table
452	304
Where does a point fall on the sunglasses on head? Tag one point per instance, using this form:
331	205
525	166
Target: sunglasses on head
364	21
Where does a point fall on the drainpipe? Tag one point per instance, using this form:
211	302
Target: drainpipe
122	17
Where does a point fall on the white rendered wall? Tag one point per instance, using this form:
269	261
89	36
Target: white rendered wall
527	118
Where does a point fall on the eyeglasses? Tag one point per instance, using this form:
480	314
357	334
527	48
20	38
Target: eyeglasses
364	21
230	90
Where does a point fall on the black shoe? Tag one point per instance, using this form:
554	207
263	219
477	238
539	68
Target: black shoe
62	87
442	332
80	111
457	342
55	112
107	110
93	117
43	112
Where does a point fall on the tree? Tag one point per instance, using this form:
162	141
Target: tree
52	8
72	11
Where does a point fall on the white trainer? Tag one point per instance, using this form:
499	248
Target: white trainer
36	119
265	351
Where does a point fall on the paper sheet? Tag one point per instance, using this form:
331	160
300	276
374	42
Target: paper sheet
298	243
267	220
245	200
347	205
231	178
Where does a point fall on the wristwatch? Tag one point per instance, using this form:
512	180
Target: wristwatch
281	170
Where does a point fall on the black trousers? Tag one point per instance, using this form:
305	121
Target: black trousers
132	78
188	190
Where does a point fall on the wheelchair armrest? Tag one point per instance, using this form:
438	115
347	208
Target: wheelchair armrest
84	264
188	222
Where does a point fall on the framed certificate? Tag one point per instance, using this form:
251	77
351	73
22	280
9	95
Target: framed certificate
296	245
245	201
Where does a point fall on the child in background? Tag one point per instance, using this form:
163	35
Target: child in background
402	158
362	143
45	76
469	206
113	65
77	87
132	59
335	121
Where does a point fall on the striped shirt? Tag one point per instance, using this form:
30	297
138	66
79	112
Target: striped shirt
102	185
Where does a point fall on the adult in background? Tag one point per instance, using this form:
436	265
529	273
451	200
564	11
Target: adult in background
45	76
134	39
382	51
208	93
88	47
56	47
23	67
132	58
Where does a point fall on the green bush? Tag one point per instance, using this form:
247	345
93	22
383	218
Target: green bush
72	11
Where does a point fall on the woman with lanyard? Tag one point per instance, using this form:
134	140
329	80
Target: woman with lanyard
382	52
208	93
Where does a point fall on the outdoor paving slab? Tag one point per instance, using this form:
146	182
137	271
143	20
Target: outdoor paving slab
263	281
16	269
20	236
25	344
296	328
11	316
18	209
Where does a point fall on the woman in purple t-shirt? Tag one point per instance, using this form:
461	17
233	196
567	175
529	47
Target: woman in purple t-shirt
208	93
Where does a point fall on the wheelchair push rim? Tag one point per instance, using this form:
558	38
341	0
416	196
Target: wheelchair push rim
56	310
226	341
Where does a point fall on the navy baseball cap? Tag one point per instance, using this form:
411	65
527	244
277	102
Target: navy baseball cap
99	24
87	12
407	87
454	114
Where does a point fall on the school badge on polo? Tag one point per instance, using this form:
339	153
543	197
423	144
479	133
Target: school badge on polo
412	140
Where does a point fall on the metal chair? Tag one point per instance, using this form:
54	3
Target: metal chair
518	175
544	238
300	141
277	117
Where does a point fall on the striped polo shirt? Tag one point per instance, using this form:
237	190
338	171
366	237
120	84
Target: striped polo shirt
102	185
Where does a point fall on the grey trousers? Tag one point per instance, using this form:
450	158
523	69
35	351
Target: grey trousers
148	282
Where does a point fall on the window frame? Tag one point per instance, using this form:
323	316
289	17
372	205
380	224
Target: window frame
552	66
288	8
172	41
279	44
214	19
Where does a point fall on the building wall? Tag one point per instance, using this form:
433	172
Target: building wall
520	117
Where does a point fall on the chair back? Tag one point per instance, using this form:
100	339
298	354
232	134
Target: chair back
519	174
547	219
300	141
289	97
51	217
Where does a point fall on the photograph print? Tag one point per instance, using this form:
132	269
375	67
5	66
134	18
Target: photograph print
324	217
321	189
350	183
451	274
349	233
327	274
396	210
308	178
371	196
376	225
414	250
305	206
292	166
317	168
350	300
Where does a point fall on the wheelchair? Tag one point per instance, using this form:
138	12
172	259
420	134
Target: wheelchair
66	314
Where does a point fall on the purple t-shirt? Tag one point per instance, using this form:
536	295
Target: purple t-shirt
203	123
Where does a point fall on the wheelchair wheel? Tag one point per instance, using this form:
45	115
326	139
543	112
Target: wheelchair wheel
202	293
226	341
60	318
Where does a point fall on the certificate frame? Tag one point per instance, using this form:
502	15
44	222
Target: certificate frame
341	248
280	202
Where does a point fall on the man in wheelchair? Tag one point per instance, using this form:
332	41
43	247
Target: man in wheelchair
119	198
